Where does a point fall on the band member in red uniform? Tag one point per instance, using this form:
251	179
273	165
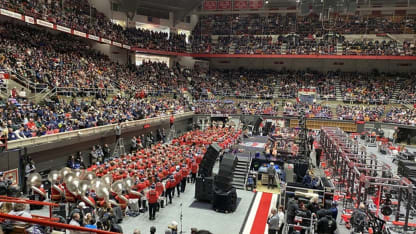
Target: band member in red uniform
185	173
178	178
57	192
169	187
152	197
194	171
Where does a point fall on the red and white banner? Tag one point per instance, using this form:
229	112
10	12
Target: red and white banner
255	4
4	76
210	5
117	44
106	41
81	34
93	37
11	14
127	47
29	20
240	4
44	23
224	5
307	91
63	29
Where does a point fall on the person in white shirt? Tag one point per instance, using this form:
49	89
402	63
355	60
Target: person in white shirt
19	209
22	94
281	215
75	221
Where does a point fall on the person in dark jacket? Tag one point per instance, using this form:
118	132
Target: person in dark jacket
271	172
327	225
292	207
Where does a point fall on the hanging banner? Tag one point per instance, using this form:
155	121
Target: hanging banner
44	23
29	20
255	4
210	5
63	29
224	5
11	14
240	5
81	34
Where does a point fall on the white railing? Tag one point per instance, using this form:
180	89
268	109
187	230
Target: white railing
46	139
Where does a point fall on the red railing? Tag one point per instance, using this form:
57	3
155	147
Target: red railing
45	222
42	220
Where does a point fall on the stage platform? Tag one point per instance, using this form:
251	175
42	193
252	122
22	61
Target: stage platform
252	145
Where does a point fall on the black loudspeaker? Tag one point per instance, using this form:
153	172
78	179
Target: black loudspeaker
225	174
257	125
208	161
267	128
225	201
204	188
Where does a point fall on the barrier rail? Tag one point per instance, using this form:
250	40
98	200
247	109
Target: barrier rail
89	131
52	224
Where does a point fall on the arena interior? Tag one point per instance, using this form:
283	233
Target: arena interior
207	116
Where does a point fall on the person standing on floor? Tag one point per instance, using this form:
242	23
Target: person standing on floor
273	221
281	214
152	197
118	131
271	172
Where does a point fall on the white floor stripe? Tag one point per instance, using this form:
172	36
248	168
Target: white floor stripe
272	204
253	212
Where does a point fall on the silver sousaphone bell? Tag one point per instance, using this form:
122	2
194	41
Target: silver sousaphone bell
35	181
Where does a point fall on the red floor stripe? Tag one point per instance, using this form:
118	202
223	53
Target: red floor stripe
259	224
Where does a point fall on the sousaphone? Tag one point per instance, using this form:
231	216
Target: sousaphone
55	177
118	187
64	171
84	186
35	181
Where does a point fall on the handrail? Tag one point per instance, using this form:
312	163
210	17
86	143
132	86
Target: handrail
43	222
88	131
248	171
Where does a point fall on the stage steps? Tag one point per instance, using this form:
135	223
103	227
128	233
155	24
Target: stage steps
240	172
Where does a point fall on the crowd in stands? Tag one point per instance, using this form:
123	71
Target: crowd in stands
77	14
278	24
295	45
371	88
362	113
401	115
238	34
53	60
20	121
311	110
245	107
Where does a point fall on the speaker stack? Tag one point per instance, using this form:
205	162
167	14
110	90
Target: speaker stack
225	195
208	161
257	126
225	201
204	188
205	182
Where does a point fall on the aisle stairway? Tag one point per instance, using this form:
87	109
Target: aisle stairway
284	48
338	93
339	49
240	172
276	91
396	91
